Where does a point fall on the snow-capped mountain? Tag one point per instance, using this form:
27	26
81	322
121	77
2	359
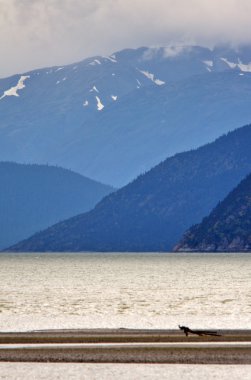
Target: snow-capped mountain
111	118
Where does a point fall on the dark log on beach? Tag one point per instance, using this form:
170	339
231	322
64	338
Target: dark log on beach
198	332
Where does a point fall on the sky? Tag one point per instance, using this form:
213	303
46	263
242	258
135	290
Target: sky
39	33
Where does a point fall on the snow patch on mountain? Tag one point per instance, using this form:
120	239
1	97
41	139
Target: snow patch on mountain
152	78
230	64
114	97
86	103
111	58
95	62
61	80
100	106
159	82
58	69
246	68
13	90
209	65
94	88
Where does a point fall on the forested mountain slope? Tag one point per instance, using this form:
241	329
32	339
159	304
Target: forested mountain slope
228	226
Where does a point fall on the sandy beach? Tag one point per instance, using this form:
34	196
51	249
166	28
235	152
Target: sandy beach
126	346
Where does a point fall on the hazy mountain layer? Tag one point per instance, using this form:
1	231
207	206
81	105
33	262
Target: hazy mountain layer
33	197
152	212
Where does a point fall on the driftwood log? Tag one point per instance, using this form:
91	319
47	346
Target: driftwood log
187	330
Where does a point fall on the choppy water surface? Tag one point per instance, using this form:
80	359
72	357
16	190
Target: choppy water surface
124	290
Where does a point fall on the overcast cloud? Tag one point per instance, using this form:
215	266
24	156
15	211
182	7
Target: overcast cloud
37	33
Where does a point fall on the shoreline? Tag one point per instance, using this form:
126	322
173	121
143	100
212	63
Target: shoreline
126	346
120	335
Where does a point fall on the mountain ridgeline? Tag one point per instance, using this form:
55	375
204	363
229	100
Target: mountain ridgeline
33	197
112	118
152	212
228	226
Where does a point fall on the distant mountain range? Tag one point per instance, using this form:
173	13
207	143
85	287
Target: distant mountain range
153	212
33	197
112	118
228	226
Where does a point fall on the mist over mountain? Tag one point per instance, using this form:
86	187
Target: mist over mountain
112	118
152	212
33	197
43	33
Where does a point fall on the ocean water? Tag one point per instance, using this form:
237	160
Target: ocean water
41	291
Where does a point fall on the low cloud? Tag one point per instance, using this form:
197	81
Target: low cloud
37	33
173	51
